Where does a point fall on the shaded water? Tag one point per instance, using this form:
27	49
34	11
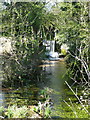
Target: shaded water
55	80
65	102
52	77
1	79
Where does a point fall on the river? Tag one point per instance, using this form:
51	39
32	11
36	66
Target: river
55	81
55	72
52	77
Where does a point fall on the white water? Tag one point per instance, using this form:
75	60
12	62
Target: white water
50	47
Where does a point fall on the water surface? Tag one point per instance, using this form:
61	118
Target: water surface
52	77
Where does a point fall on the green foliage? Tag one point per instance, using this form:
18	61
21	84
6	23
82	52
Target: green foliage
23	112
70	107
16	112
73	25
43	110
21	25
28	24
47	112
75	111
73	29
63	51
1	110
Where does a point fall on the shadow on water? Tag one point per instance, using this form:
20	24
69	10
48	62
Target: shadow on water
52	77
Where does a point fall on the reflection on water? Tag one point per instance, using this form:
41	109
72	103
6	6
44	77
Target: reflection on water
1	98
1	79
52	76
54	79
20	96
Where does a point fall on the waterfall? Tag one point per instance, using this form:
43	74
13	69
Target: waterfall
52	46
50	50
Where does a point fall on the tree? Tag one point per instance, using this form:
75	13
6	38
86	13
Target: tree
25	23
72	24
